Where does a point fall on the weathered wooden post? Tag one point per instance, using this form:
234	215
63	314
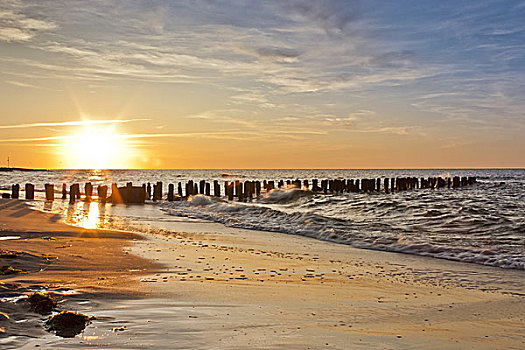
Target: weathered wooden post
72	195
357	188
50	192
64	191
77	191
30	191
306	185
148	191
208	188
102	193
216	188
324	186
88	191
229	188
202	185
247	190
189	190
15	191
257	188
157	191
385	185
378	185
179	189
115	194
280	184
238	190
171	192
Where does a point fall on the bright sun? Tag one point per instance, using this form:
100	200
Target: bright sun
96	147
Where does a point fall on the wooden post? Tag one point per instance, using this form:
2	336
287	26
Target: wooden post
238	190
72	195
171	192
88	191
202	185
208	188
157	191
257	188
385	185
247	190
64	191
15	191
50	192
102	193
115	194
179	189
216	188
30	191
148	191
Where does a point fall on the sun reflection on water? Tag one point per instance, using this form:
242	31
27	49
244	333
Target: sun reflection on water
90	215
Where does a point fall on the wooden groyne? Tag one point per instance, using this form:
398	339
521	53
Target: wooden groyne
240	190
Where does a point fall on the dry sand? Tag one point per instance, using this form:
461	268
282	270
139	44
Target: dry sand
207	286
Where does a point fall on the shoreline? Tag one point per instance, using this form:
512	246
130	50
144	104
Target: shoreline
227	287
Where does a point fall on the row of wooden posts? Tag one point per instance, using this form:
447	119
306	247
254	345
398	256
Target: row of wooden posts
242	190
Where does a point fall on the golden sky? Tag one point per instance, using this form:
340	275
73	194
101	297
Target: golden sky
296	84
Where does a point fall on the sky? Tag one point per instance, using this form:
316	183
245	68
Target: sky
262	84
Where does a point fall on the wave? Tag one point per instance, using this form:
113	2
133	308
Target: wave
280	196
231	175
264	215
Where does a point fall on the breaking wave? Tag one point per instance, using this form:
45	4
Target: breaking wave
290	211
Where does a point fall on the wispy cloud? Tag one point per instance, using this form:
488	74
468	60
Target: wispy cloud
16	25
72	123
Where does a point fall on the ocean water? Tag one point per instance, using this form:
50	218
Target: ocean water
482	223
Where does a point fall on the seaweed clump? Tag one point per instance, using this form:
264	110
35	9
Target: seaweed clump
68	324
41	303
9	270
9	254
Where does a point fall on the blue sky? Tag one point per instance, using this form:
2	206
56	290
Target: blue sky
314	77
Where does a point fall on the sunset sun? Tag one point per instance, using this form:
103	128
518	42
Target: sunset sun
96	147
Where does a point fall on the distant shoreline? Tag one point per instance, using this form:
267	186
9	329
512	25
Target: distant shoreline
4	169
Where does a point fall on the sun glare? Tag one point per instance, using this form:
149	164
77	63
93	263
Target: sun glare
96	147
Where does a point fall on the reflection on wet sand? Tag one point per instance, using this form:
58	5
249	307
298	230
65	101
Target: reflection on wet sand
90	215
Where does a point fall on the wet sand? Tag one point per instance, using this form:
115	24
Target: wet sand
209	286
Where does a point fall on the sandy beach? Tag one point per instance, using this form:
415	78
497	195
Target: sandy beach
208	286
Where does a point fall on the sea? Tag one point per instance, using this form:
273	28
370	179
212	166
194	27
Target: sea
483	223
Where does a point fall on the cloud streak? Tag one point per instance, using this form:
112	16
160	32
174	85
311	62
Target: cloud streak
16	26
72	123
